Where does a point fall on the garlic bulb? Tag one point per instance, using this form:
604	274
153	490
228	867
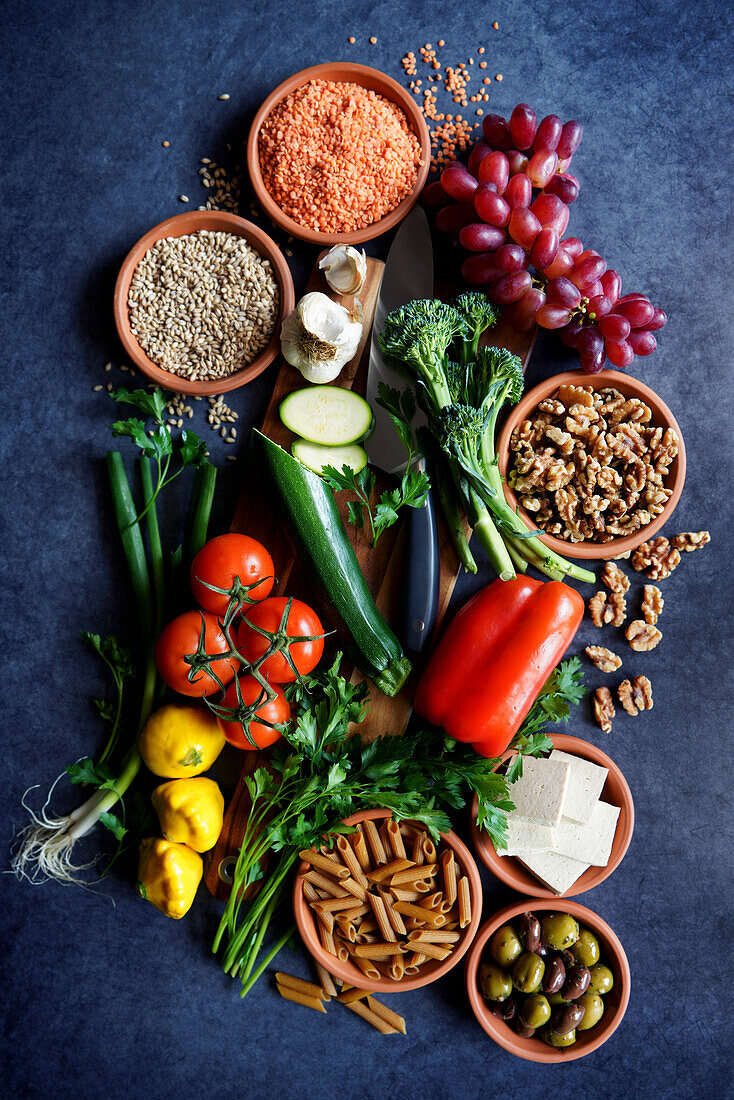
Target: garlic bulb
344	269
320	336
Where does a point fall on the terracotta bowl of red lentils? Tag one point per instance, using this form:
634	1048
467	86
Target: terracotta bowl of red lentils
278	283
338	154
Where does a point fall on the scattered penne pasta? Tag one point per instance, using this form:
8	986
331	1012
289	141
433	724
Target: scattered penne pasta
299	984
387	1014
299	998
372	1018
328	989
464	903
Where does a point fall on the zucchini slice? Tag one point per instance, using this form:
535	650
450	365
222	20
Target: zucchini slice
328	415
316	457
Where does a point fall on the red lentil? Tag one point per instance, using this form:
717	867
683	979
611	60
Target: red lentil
337	157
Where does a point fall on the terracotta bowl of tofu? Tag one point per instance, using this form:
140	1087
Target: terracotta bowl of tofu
430	970
615	1001
572	825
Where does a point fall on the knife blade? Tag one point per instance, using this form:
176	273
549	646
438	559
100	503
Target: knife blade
408	275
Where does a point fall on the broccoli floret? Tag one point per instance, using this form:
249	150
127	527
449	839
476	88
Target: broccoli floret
458	429
418	335
499	364
478	314
456	376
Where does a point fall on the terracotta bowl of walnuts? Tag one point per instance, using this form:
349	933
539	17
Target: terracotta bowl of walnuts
631	484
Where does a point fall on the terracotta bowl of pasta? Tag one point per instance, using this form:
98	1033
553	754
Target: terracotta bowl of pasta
384	908
615	1000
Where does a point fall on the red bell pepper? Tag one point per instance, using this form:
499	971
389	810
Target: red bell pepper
494	658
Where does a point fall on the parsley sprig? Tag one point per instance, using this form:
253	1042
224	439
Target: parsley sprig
414	484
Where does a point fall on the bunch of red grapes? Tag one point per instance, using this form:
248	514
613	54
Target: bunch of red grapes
510	210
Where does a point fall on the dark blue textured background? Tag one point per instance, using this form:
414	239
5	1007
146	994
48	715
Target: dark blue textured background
102	1000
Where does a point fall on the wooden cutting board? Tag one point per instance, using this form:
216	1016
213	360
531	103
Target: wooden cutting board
381	565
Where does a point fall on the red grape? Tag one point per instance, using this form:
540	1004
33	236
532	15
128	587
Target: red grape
597	306
592	364
551	316
562	265
586	272
496	132
517	161
659	318
546	207
479	237
477	155
593	290
570	139
519	191
611	284
642	343
434	195
638	312
614	327
573	246
523	314
479	269
450	219
458	182
524	226
523	125
564	186
491	208
510	288
562	292
619	354
545	247
571	333
541	168
511	257
589	254
636	296
548	134
495	168
590	342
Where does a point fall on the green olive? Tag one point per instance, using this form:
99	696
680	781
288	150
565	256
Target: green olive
496	983
527	973
602	979
586	948
593	1007
535	1010
505	946
553	1039
559	930
556	999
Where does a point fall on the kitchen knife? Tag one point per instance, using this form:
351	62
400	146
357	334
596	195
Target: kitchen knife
408	275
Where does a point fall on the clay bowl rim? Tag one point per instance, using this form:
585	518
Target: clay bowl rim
431	971
509	871
367	77
662	416
178	226
535	1050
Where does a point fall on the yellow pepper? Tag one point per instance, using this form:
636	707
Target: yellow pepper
191	811
168	875
179	741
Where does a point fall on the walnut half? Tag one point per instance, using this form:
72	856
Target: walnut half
614	578
642	636
657	557
635	695
603	658
652	604
690	540
612	610
603	705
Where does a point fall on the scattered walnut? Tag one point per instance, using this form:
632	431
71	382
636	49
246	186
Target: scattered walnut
652	604
614	578
635	695
604	659
617	609
642	636
603	705
623	557
613	610
691	540
657	557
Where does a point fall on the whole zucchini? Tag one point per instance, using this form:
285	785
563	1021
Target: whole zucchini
308	511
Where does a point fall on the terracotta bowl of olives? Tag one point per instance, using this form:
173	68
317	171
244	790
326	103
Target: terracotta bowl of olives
549	983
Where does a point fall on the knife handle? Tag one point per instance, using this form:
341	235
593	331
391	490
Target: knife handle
421	571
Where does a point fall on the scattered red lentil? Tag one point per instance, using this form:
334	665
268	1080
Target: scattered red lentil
441	42
481	49
165	144
482	64
352	40
373	41
499	77
337	157
496	26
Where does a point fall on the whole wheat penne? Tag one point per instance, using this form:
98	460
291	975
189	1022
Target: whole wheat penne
385	838
353	887
388	869
328	988
352	995
324	863
367	967
346	928
418	849
430	916
367	937
405	895
396	840
383	922
328	852
330	885
309	988
464	901
450	925
300	998
377	950
372	1018
386	1014
340	946
415	960
411	971
327	939
395	919
445	906
413	925
435	950
361	850
325	918
429	849
433	935
369	924
396	970
374	842
335	905
310	892
448	873
350	859
414	874
431	901
423	888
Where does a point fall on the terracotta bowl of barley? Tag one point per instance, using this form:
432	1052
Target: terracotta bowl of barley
178	226
661	417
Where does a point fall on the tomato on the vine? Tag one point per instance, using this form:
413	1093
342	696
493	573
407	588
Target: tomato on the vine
275	711
269	615
179	654
231	562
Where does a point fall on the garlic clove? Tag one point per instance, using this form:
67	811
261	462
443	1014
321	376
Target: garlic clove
344	268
